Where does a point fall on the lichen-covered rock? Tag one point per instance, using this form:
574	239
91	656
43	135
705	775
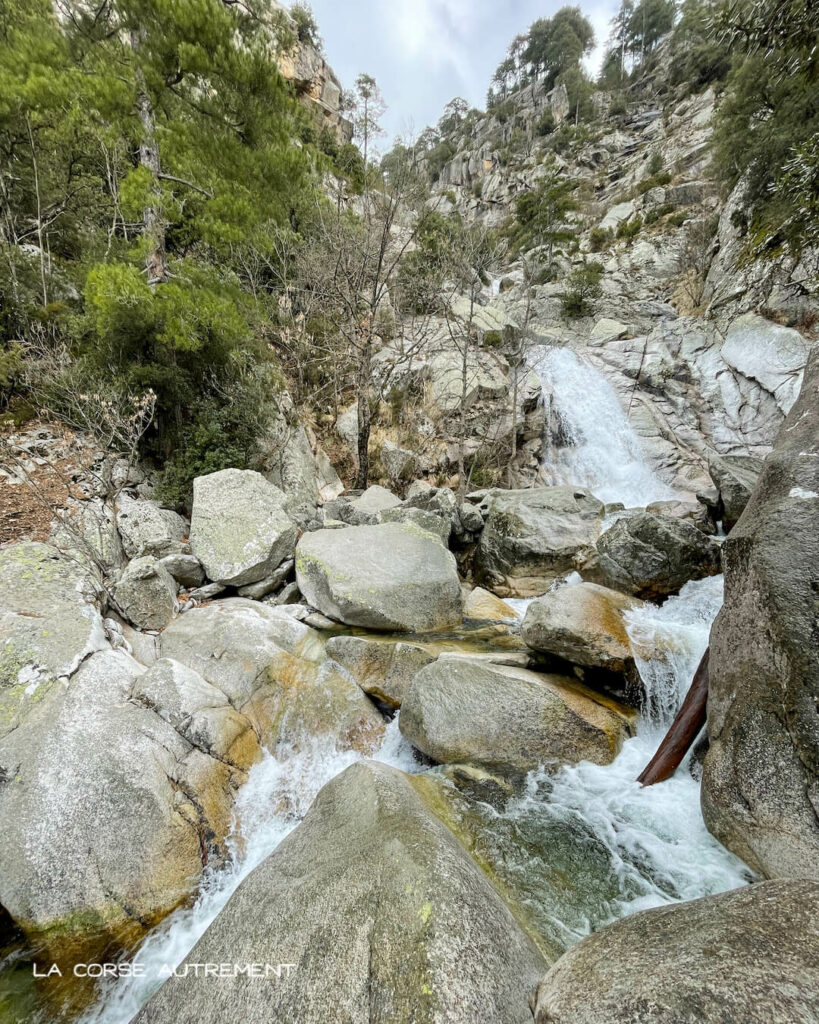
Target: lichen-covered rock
384	914
389	577
399	463
439	526
147	529
384	669
49	622
374	500
240	531
145	593
654	556
760	790
533	536
109	811
582	624
459	710
750	955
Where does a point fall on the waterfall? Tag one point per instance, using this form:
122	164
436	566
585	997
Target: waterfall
589	440
277	795
654	839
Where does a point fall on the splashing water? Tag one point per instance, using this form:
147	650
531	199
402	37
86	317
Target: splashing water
598	449
277	795
653	839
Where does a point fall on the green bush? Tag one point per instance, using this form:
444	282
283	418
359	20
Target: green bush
582	288
546	124
678	219
600	239
629	229
657	212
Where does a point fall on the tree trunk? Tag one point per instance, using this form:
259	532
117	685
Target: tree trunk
153	224
683	731
364	417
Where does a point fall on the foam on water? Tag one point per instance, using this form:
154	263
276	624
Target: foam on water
277	795
654	837
601	450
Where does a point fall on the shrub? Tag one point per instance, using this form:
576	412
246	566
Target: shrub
582	288
600	239
546	124
629	229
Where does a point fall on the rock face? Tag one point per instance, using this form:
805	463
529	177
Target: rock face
480	604
109	811
389	577
382	669
147	529
743	956
384	914
654	556
735	477
146	594
760	792
501	717
48	625
582	624
533	536
239	529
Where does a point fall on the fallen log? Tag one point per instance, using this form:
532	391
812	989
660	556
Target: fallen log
683	730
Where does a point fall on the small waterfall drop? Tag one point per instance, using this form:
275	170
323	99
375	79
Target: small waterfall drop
277	795
590	442
654	839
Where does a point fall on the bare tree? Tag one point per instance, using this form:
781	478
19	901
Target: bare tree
695	258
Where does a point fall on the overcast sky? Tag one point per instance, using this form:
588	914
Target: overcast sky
425	52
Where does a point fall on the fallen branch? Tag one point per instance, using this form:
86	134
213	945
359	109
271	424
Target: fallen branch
683	731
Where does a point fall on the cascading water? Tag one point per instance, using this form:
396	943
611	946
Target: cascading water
277	795
597	446
641	847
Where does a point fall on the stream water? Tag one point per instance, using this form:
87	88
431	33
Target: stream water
577	847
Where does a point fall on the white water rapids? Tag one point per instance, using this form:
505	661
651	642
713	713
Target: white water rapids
613	846
599	448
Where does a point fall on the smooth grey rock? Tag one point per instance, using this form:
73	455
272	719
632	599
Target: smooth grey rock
186	569
735	477
697	512
653	556
390	577
49	623
109	814
533	536
441	501
438	526
382	911
256	591
147	529
769	354
750	956
289	462
583	624
374	500
146	594
760	789
207	593
399	463
382	668
239	529
288	595
509	718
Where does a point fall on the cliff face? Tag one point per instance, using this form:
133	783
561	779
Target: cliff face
315	82
705	349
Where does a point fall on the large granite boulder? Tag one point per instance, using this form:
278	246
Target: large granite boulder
388	577
459	710
654	556
240	531
49	622
735	477
274	669
750	956
147	529
383	914
760	792
582	624
145	593
533	536
769	354
110	808
382	668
